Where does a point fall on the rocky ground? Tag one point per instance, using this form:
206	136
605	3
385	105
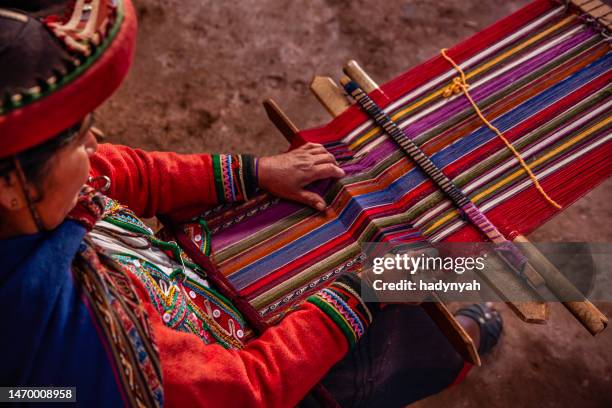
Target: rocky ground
203	67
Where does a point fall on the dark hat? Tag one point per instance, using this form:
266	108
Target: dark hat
57	68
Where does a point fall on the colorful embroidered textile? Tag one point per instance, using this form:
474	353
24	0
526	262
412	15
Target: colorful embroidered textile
541	76
171	288
123	321
182	295
177	287
121	318
74	322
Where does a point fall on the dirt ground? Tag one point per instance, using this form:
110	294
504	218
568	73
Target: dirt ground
203	67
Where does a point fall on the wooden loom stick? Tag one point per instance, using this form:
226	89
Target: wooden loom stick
508	286
357	74
437	311
281	120
329	94
505	250
583	310
457	336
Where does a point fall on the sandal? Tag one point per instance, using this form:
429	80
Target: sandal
489	321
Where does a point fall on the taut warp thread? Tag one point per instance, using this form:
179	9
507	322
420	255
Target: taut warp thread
541	76
505	249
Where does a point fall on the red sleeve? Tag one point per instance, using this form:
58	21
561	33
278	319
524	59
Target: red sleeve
276	370
157	182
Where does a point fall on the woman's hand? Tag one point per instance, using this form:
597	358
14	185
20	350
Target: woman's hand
285	175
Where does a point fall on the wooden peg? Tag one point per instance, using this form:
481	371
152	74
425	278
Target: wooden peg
579	3
603	15
354	71
597	9
600	11
281	120
591	5
329	94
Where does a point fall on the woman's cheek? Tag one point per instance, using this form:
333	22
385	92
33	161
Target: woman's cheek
73	176
78	170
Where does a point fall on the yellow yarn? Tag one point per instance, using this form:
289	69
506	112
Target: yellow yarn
460	84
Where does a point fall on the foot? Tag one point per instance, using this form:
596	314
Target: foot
483	323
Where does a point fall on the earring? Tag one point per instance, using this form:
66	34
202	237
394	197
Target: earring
14	203
94	180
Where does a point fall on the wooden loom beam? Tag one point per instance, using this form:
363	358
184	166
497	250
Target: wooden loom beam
538	265
583	310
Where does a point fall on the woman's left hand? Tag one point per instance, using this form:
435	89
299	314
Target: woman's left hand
285	175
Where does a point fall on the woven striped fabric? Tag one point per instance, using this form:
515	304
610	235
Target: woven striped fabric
541	76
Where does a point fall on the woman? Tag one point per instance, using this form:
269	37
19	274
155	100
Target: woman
94	299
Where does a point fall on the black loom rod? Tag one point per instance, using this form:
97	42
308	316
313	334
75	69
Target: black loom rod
510	254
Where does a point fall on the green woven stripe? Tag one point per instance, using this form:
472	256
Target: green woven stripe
218	172
499	156
336	317
306	276
206	239
494	98
127	226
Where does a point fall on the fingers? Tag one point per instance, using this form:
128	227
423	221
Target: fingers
322	155
323	171
312	146
312	199
324	158
315	148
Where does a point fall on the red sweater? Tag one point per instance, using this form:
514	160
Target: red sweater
275	370
151	183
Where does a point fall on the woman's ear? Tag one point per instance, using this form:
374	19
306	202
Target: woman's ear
11	197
